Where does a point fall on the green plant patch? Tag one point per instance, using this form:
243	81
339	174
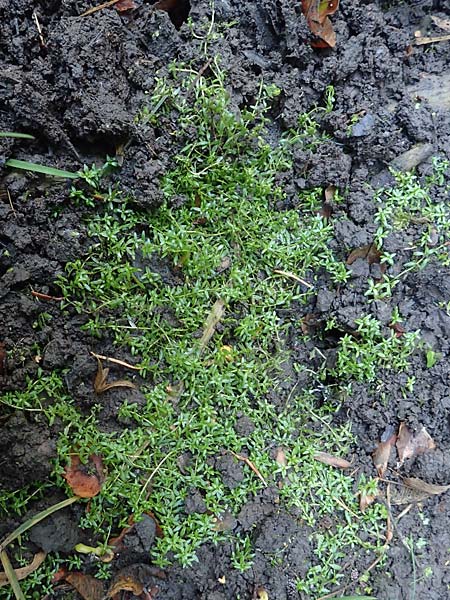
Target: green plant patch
228	243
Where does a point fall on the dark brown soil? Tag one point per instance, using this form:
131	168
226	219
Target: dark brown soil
78	95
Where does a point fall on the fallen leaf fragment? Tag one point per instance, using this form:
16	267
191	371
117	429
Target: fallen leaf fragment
85	480
416	490
135	579
383	451
333	461
214	317
87	586
369	252
365	500
124	5
260	593
410	445
280	456
316	13
100	385
23	572
441	23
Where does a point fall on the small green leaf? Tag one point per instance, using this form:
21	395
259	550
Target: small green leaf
15	134
29	166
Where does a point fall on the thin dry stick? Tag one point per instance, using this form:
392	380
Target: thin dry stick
333	594
10	203
249	463
99	7
39	28
420	41
116	361
295	277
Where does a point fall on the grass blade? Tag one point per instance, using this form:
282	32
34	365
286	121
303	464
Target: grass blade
11	574
36	519
29	166
16	134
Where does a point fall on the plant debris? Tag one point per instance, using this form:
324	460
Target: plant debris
23	572
214	317
85	480
370	252
249	463
383	451
87	586
416	490
317	13
333	461
410	445
100	385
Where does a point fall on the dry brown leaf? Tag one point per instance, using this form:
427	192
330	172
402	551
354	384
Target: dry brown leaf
100	385
25	571
316	13
260	593
333	461
125	583
85	480
366	500
383	452
216	314
369	252
280	456
441	23
224	522
87	586
410	445
416	490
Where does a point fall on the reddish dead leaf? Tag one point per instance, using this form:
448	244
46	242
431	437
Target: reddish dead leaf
87	586
280	456
316	13
100	385
85	480
398	329
383	451
369	252
124	5
333	461
410	445
330	193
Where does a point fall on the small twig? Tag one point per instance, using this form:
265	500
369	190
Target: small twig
42	296
347	508
333	594
421	40
295	277
249	463
99	7
153	473
39	28
116	361
10	202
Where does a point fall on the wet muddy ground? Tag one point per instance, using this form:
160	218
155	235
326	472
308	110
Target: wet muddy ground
78	89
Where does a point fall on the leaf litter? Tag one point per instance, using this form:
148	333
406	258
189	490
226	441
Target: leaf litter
85	480
410	445
317	17
100	381
383	450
